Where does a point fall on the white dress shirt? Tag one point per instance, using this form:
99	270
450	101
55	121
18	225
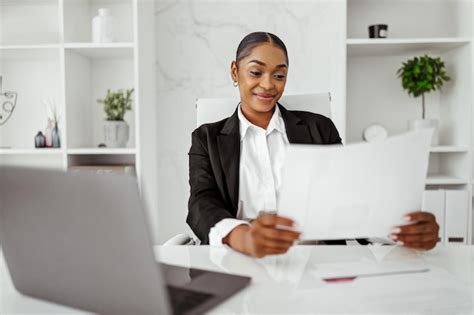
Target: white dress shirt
261	160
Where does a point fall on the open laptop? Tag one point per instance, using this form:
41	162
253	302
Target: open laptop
82	240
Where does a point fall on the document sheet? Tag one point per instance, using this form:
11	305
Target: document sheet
355	191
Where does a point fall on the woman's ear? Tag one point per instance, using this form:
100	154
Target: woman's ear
234	71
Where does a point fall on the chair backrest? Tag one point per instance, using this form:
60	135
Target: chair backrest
214	109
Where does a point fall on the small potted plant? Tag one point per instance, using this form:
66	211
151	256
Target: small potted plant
116	130
422	75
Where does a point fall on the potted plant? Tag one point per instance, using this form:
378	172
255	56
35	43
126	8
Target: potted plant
116	130
422	75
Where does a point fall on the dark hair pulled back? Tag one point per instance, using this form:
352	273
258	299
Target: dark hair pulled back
252	40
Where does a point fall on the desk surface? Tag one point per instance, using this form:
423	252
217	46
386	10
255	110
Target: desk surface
290	284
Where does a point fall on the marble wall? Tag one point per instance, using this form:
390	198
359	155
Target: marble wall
195	42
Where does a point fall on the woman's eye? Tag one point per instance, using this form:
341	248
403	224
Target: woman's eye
255	73
280	76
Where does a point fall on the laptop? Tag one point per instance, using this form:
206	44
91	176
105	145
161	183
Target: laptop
81	239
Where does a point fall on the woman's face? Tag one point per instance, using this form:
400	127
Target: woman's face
261	77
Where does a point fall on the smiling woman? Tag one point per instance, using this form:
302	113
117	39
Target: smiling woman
235	164
260	71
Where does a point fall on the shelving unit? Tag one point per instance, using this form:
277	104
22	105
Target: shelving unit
374	92
46	52
51	42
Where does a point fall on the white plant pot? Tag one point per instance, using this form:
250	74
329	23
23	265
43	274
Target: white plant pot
116	133
417	124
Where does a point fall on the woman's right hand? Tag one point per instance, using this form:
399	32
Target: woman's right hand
262	237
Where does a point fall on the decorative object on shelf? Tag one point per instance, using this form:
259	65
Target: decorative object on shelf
417	124
102	145
8	103
374	133
103	27
422	75
48	133
55	136
53	124
378	31
40	140
116	130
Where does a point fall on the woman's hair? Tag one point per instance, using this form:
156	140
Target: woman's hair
252	40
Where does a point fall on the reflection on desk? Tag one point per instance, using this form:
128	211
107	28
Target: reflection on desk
291	283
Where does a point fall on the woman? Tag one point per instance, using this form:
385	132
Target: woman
235	164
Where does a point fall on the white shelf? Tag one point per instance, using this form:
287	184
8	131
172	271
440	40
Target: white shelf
440	179
19	47
98	45
89	50
449	149
99	51
401	46
105	2
101	151
43	151
27	2
30	52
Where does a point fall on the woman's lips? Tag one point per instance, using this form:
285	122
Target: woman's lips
264	97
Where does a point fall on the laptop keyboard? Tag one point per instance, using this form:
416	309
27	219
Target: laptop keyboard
183	300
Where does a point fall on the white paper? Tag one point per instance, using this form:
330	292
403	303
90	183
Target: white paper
354	191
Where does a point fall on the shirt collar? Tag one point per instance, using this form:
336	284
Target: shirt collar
276	123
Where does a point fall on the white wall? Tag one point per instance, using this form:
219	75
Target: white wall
195	42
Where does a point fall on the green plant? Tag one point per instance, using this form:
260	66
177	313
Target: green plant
422	75
117	103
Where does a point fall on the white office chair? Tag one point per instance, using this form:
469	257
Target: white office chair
210	110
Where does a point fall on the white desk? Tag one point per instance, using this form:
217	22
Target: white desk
287	284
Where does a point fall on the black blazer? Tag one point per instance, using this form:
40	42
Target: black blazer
214	164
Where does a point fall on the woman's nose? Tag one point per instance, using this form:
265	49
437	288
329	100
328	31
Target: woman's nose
266	82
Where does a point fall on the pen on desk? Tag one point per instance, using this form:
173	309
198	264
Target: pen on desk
389	273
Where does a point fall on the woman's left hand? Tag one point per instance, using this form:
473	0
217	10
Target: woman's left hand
422	233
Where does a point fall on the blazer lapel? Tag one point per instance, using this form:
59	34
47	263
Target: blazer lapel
228	146
297	131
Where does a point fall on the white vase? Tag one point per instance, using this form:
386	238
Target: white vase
48	134
116	133
417	124
103	27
